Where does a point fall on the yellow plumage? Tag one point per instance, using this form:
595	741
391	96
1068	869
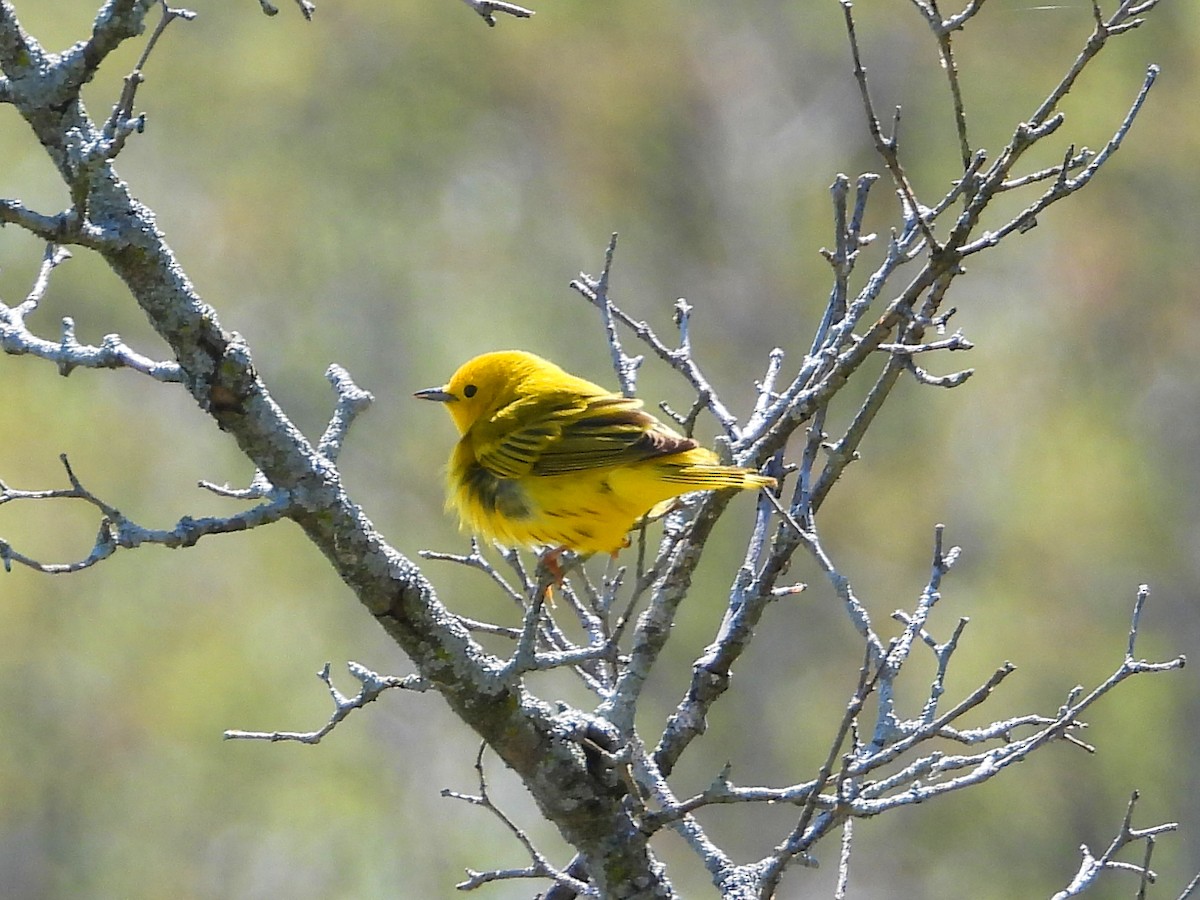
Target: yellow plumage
549	459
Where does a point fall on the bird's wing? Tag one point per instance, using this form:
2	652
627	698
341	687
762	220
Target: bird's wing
612	431
509	442
573	433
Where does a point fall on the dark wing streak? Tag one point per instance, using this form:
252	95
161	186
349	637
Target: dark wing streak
519	450
590	441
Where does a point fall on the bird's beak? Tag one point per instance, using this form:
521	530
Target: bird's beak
441	395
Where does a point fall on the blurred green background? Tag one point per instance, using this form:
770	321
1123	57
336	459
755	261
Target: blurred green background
396	187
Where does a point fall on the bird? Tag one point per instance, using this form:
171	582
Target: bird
548	460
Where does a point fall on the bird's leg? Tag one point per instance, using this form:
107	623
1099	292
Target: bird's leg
550	562
552	568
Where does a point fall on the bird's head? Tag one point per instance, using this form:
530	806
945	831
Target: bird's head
486	384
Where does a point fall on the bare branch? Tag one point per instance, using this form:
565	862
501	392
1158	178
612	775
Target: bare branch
113	353
539	868
987	765
1063	185
258	489
1092	867
122	122
574	760
488	8
63	228
679	359
117	22
541	644
88	150
626	367
352	401
1124	18
942	31
307	8
372	684
796	843
1072	163
887	147
476	560
117	531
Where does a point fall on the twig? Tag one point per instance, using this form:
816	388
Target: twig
843	879
654	788
942	29
488	8
89	150
64	227
307	8
711	671
540	867
372	685
476	560
845	450
681	554
722	791
1092	867
795	843
625	366
118	531
1073	162
169	15
258	489
888	147
119	23
991	763
67	353
1191	888
530	655
595	291
1063	185
352	401
524	658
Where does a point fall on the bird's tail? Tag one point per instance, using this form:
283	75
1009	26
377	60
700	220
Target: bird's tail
715	477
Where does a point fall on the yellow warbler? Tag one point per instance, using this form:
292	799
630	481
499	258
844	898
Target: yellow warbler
549	459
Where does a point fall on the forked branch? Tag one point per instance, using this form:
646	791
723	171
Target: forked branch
118	531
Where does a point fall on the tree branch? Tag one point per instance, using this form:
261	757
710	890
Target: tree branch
590	773
1092	867
218	371
68	354
488	9
372	685
118	531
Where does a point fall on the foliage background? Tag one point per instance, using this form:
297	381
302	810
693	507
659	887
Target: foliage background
396	187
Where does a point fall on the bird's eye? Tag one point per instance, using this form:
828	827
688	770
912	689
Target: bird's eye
469	391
